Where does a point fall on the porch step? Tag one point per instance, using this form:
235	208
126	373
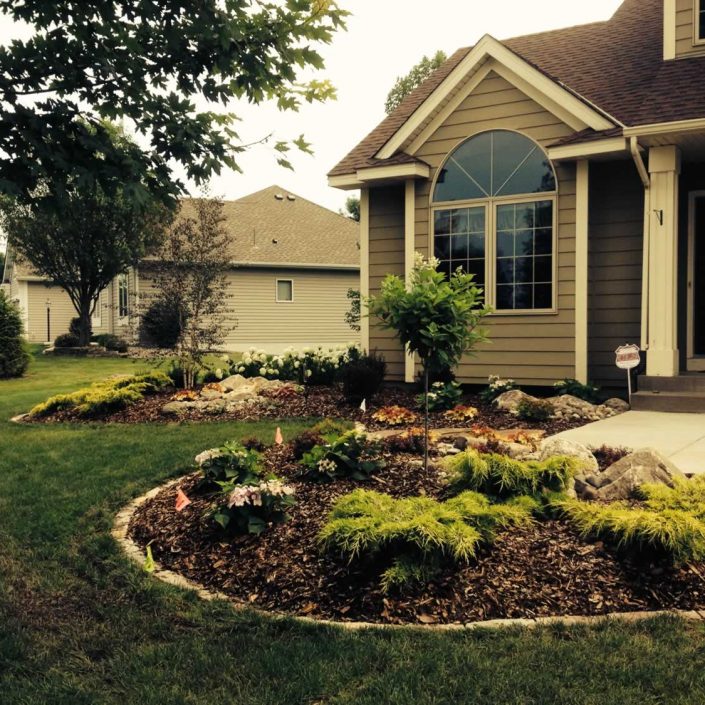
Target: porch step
692	402
694	382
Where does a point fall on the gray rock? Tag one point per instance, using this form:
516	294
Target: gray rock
646	466
509	401
585	491
210	394
243	394
232	384
551	447
175	408
618	405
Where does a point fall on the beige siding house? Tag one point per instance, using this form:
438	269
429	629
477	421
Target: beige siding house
566	170
293	263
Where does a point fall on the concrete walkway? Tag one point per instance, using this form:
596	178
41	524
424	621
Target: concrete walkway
680	437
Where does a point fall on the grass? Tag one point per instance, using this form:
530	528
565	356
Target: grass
80	625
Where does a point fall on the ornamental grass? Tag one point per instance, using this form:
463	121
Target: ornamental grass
104	397
415	536
502	476
670	521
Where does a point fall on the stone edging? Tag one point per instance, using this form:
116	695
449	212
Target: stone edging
136	554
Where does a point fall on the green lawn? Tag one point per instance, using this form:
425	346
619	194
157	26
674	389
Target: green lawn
80	625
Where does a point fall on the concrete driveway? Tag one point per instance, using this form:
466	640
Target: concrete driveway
680	437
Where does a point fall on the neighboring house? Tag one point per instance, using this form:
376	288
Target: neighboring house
567	171
292	264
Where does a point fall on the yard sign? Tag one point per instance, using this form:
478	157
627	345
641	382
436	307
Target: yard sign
628	358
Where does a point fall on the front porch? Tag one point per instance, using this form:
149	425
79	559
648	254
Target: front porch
671	258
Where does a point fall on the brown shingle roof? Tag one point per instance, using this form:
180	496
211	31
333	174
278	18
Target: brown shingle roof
616	65
288	230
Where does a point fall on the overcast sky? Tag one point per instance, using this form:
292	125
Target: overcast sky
384	39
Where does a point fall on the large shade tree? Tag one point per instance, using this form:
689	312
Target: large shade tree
169	68
85	243
412	80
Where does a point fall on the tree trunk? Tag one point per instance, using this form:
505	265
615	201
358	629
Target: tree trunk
84	323
425	396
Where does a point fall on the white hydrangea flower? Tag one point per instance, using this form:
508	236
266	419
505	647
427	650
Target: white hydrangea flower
263	371
207	455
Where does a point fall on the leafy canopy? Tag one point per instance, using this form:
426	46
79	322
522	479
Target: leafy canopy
167	67
406	84
86	239
437	318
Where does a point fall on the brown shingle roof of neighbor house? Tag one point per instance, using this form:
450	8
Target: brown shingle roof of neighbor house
616	65
274	226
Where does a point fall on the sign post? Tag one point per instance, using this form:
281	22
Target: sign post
628	358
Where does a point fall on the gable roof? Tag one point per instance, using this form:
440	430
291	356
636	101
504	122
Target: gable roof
265	229
274	226
616	65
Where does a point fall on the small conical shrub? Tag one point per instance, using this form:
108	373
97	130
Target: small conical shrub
14	357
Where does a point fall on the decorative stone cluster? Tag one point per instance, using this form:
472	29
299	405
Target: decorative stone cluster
565	406
221	397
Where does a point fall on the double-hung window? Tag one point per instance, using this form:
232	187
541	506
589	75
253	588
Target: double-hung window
494	209
700	21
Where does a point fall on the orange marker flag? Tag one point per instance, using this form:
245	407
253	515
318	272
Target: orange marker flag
278	438
182	501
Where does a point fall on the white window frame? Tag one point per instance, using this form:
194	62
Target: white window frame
122	318
490	205
276	291
698	7
97	317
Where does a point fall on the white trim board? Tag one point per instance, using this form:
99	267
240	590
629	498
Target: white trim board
583	114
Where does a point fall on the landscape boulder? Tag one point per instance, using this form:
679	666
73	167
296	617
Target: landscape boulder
555	446
646	466
509	401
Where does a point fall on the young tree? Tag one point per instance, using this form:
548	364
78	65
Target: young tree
433	317
352	208
418	74
191	268
14	357
85	243
151	63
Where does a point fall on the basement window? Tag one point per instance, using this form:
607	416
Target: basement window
285	290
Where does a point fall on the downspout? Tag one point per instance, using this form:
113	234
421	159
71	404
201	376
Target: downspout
646	279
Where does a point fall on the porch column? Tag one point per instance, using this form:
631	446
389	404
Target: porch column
581	270
364	267
409	251
664	168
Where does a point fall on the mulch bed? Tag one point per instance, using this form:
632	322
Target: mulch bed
320	402
543	570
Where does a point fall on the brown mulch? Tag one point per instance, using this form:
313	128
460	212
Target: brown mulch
319	402
543	570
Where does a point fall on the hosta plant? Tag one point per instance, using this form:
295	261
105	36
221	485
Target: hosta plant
461	414
441	396
416	536
351	455
251	508
395	416
232	462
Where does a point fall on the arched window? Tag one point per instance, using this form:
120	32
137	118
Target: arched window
486	209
